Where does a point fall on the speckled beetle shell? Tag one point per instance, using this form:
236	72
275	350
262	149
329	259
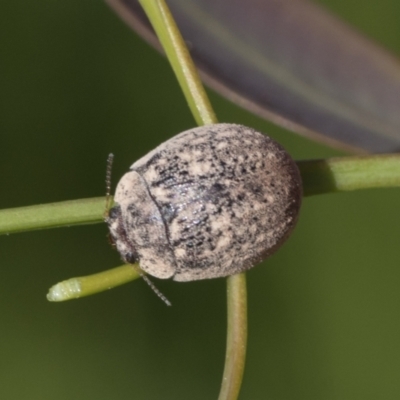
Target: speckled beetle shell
212	201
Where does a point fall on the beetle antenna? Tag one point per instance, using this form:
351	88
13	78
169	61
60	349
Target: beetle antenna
110	160
155	290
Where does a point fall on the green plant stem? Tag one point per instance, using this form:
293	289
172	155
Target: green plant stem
319	177
350	173
236	338
52	215
178	55
75	288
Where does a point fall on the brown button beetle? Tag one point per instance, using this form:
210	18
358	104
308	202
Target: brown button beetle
212	201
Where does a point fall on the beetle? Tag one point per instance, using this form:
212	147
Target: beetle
211	202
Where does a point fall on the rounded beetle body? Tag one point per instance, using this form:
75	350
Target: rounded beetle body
212	201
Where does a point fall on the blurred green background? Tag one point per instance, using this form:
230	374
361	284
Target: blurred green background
76	84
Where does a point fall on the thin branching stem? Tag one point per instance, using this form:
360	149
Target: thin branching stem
332	175
52	215
319	176
236	338
343	174
75	288
178	55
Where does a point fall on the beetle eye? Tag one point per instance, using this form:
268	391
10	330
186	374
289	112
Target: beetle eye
131	258
114	212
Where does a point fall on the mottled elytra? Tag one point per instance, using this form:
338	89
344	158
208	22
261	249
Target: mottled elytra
212	201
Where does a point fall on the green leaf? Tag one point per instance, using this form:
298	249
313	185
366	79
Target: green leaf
293	63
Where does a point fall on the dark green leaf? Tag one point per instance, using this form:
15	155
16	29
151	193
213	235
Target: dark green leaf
291	62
